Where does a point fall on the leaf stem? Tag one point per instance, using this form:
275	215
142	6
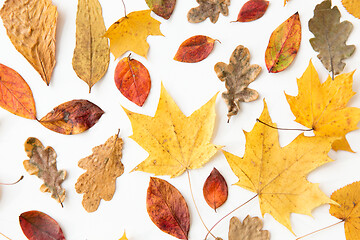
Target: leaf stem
229	214
332	225
286	129
4	236
21	178
124	8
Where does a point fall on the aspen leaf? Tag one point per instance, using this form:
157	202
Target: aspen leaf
353	7
278	175
103	167
162	8
252	10
215	189
208	9
322	106
31	27
175	143
249	229
92	53
195	49
42	163
130	32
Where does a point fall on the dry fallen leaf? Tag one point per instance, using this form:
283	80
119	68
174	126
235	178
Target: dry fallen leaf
252	10
215	189
237	75
175	143
42	163
31	27
278	175
195	49
352	6
130	32
322	106
167	208
92	53
162	8
208	9
330	37
103	167
249	229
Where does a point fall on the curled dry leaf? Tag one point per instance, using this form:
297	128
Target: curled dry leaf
208	9
103	167
130	32
195	49
249	229
15	94
252	10
215	189
237	75
163	8
352	6
330	37
92	53
283	45
72	117
31	27
133	80
40	226
42	163
167	208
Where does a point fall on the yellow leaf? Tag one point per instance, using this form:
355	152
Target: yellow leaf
285	1
123	237
322	106
130	32
348	209
175	143
278	175
353	7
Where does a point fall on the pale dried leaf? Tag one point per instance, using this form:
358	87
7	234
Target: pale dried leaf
208	9
249	229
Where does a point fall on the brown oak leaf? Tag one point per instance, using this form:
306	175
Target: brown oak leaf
249	229
208	9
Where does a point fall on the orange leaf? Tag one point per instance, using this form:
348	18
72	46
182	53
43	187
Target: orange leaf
195	49
215	189
15	94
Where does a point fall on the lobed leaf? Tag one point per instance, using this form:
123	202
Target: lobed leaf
208	9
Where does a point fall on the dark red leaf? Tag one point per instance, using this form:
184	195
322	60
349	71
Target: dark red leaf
195	49
252	10
215	189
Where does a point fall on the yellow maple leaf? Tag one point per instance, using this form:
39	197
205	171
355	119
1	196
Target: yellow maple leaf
278	175
130	32
348	209
322	106
175	143
124	237
352	6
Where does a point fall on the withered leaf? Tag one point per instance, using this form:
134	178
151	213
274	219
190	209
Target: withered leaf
103	167
15	94
252	10
42	163
92	53
195	49
237	75
167	208
249	229
215	189
31	27
208	9
330	37
72	117
162	8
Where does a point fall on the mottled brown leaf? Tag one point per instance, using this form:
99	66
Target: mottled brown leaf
208	9
103	167
72	117
252	10
215	189
162	8
167	208
42	163
330	37
249	229
237	75
31	27
195	49
40	226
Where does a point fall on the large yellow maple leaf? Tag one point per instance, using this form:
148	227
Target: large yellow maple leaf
175	143
278	175
322	106
130	33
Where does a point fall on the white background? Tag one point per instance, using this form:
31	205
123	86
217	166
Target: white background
191	85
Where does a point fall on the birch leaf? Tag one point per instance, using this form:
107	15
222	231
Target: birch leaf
31	27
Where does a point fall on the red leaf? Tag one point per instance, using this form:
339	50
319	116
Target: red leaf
252	10
39	226
133	80
167	208
195	49
215	189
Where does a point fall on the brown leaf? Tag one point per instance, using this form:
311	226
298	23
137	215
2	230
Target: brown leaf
162	8
133	80
250	229
208	9
238	74
195	49
15	94
167	208
252	10
42	163
72	117
31	27
215	189
103	167
40	226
